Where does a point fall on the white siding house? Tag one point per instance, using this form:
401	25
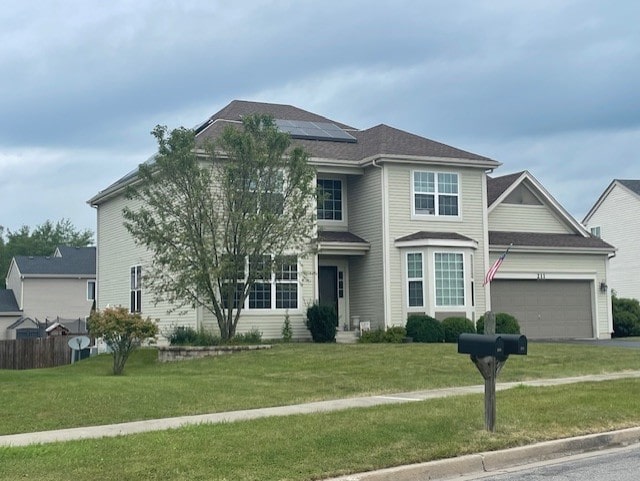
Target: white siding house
614	218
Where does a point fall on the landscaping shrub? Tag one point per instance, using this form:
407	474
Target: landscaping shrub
321	321
626	317
287	331
505	324
454	326
396	334
188	336
423	328
251	337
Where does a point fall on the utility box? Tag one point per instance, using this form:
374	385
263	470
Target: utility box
481	345
514	344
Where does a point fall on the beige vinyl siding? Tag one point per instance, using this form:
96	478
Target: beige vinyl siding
6	321
117	253
470	223
49	298
519	265
270	321
526	218
617	217
366	277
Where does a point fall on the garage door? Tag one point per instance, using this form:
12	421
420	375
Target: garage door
546	309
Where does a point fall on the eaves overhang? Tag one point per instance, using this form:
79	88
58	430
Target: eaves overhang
343	248
429	160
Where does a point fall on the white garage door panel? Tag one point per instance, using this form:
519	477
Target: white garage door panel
546	309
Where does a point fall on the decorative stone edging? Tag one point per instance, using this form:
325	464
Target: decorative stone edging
181	353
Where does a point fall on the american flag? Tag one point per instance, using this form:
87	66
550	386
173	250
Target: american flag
491	273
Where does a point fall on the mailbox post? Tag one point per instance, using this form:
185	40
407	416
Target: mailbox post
489	352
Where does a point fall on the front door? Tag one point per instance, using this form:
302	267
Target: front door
328	287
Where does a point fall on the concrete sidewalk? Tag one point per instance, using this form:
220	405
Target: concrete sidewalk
120	429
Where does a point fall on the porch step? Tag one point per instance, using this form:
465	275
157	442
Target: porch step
346	337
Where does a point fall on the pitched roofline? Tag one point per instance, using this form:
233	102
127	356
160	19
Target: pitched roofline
604	195
411	159
557	207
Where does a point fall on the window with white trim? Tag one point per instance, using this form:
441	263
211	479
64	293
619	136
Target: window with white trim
415	280
136	289
287	283
260	292
91	290
435	193
449	279
329	199
595	231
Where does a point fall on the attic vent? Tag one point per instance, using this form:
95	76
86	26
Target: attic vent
303	129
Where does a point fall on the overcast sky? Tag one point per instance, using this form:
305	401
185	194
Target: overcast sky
552	87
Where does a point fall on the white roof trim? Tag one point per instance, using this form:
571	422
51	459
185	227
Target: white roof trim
469	244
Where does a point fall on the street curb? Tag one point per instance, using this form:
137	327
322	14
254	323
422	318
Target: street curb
497	460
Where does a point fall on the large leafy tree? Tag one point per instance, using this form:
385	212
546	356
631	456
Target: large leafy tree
41	241
221	216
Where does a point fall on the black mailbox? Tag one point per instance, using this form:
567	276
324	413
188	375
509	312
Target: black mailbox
481	345
514	344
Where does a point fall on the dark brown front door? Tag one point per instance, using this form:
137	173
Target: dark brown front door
328	287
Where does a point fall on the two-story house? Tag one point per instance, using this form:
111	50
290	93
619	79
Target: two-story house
614	218
47	289
403	227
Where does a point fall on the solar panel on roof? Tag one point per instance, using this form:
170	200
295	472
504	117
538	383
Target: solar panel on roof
304	129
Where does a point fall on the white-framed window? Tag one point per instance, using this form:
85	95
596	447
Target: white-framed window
436	193
330	201
269	196
449	279
136	289
270	290
595	231
91	290
415	279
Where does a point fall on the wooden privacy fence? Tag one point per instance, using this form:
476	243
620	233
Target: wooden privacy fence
35	352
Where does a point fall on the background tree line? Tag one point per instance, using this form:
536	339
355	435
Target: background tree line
41	241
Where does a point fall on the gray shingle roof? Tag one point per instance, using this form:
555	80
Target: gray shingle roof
376	141
433	235
8	301
633	185
339	236
497	185
73	261
534	239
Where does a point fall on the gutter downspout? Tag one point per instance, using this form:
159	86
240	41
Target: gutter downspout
385	249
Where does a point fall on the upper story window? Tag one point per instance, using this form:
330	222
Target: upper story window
449	277
595	231
136	289
435	193
329	199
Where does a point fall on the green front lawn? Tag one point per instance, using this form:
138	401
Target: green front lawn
86	394
330	444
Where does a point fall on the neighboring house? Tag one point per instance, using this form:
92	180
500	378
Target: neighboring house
9	311
405	226
47	289
554	278
614	218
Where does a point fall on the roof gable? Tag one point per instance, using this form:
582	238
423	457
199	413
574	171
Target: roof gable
500	188
631	186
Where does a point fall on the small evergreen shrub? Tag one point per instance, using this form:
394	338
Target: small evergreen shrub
626	316
423	328
395	334
454	326
287	332
505	324
321	321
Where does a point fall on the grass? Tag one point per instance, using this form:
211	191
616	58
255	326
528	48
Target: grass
86	394
331	444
